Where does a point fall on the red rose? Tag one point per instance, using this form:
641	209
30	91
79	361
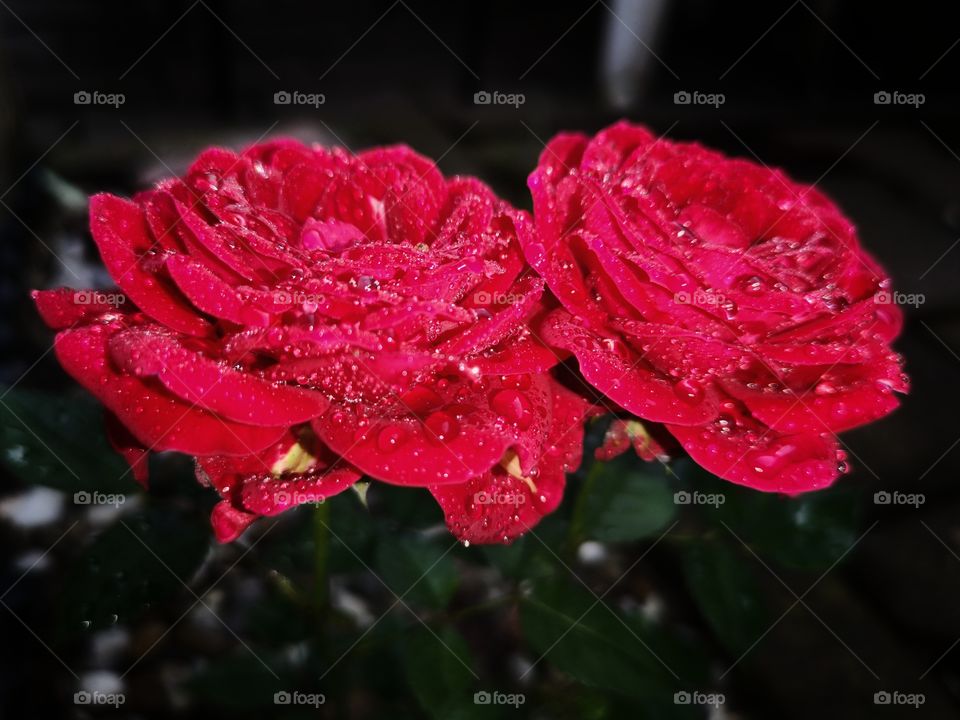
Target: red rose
296	317
717	297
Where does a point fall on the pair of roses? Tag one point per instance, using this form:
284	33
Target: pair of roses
300	317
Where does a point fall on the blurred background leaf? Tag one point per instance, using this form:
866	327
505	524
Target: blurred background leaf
58	440
809	531
580	635
418	571
723	583
621	502
438	666
137	563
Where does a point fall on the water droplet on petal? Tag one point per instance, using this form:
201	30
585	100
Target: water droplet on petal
442	426
688	390
514	407
390	438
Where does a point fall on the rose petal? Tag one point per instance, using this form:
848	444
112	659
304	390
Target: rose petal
240	396
121	234
626	378
155	417
743	451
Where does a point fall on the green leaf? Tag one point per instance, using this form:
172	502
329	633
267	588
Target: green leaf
580	636
532	555
395	507
511	560
809	531
620	503
724	585
59	441
419	571
134	564
439	669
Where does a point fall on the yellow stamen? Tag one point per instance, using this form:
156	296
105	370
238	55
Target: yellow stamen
511	463
297	460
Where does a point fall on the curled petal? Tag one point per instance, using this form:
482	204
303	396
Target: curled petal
746	452
65	307
121	234
624	376
240	396
507	501
155	417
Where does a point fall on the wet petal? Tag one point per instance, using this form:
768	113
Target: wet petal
155	417
66	307
624	376
739	449
122	236
232	394
508	500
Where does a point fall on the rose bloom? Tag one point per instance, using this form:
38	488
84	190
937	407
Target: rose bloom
297	317
715	299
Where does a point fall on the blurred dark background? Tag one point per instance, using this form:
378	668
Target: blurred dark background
799	84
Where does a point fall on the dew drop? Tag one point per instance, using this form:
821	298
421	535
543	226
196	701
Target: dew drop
442	426
690	391
390	438
513	406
